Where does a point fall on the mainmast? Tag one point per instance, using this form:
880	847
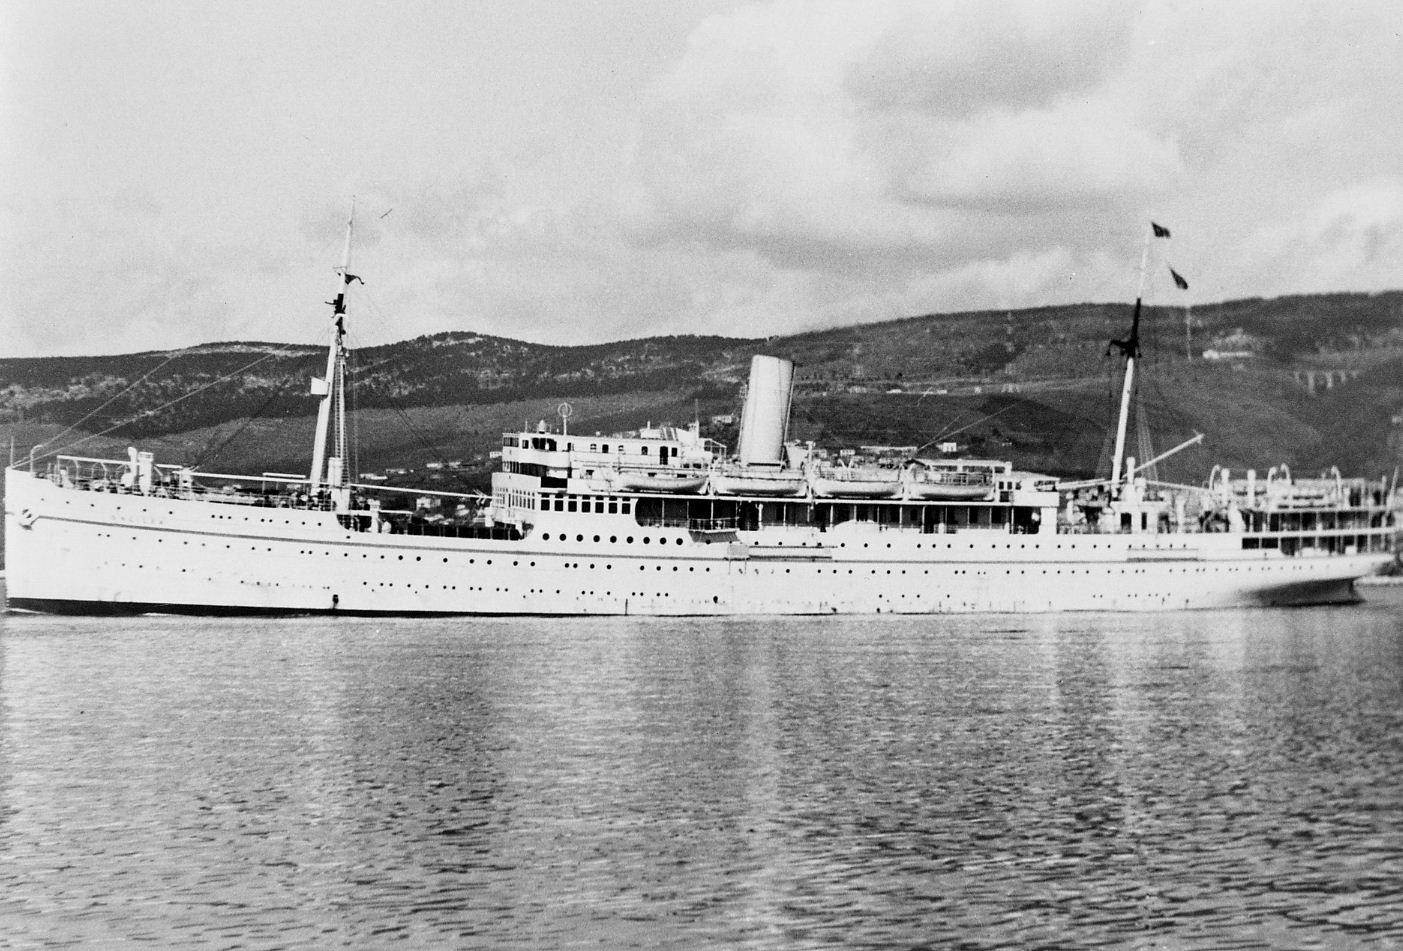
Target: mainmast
331	471
1130	349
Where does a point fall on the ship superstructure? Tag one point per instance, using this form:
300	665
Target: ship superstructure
664	521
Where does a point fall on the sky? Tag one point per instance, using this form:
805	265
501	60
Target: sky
174	174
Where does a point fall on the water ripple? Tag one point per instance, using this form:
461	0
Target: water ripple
1214	780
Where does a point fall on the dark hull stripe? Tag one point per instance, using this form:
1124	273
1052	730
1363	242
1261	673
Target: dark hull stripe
131	608
1298	594
1307	593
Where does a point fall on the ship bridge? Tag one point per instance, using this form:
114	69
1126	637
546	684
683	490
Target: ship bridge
555	458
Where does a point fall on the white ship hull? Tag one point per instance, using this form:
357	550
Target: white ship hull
88	551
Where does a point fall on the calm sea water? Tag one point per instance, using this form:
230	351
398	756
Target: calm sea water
1205	780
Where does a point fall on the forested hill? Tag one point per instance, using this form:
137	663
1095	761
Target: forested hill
1307	380
161	392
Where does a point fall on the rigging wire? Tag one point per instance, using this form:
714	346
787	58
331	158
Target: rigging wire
209	453
981	419
108	402
166	405
354	413
423	440
1112	407
414	430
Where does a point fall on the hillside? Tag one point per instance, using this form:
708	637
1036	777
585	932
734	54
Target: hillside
1034	386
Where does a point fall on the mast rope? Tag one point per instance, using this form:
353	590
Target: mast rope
209	453
985	418
423	440
166	405
353	469
108	402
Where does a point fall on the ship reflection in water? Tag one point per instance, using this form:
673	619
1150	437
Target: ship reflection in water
1187	780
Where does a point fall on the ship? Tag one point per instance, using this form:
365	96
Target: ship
663	521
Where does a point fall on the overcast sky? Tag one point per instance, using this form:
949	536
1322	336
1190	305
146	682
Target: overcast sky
177	173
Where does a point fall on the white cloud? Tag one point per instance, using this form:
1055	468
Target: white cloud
634	169
956	59
1351	238
909	145
1065	156
910	128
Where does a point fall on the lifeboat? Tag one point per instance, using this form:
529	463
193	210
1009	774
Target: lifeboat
681	482
856	484
758	482
953	486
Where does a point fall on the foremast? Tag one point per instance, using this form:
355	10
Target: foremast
331	471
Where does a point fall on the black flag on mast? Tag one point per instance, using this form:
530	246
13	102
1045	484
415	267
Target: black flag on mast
1160	230
1179	281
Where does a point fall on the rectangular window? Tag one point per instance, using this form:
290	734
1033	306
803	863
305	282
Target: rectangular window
570	506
